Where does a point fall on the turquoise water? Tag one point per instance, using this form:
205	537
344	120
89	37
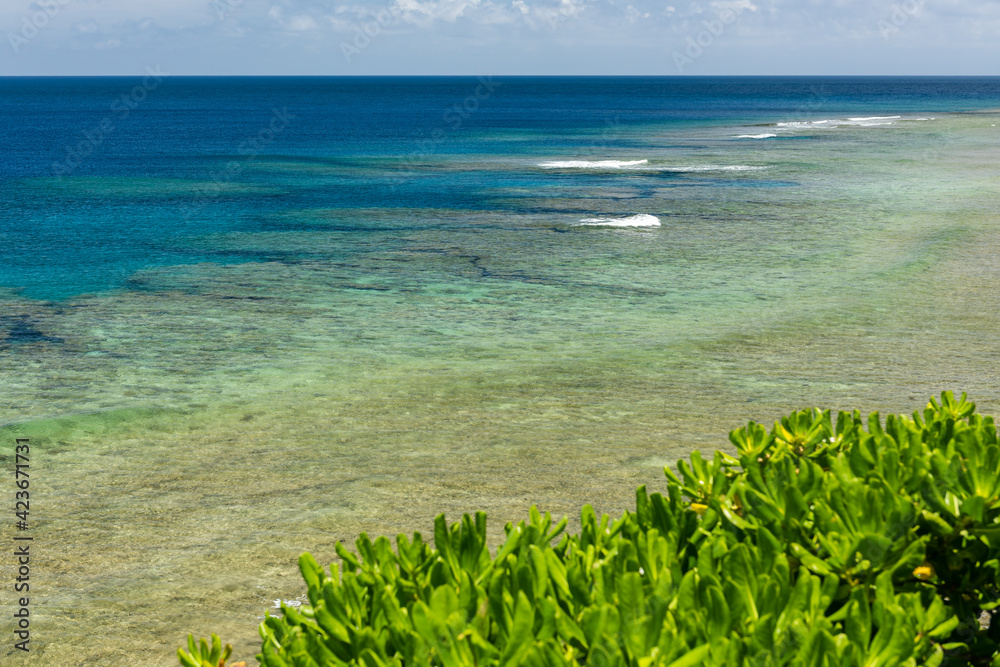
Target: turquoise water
227	354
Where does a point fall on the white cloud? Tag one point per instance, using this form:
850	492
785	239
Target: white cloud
89	26
295	23
544	36
632	14
301	24
733	5
423	13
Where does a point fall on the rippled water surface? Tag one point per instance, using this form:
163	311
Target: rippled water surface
259	316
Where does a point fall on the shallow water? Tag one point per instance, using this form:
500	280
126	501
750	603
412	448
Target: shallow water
218	375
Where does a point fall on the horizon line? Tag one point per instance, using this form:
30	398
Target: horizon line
522	76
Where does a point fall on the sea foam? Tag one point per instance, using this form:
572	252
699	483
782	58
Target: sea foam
755	136
591	164
644	166
641	220
713	167
861	121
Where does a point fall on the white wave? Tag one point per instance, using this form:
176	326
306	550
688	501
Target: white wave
641	220
644	165
873	121
858	121
712	167
755	136
591	164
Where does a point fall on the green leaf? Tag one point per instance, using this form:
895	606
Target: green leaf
858	624
518	640
186	660
692	658
809	561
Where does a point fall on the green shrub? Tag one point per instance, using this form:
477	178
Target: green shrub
826	542
205	654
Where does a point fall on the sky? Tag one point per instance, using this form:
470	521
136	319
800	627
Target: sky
498	37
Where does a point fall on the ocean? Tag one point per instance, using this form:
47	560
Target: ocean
243	318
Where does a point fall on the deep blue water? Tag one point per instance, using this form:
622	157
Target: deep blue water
241	318
100	177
